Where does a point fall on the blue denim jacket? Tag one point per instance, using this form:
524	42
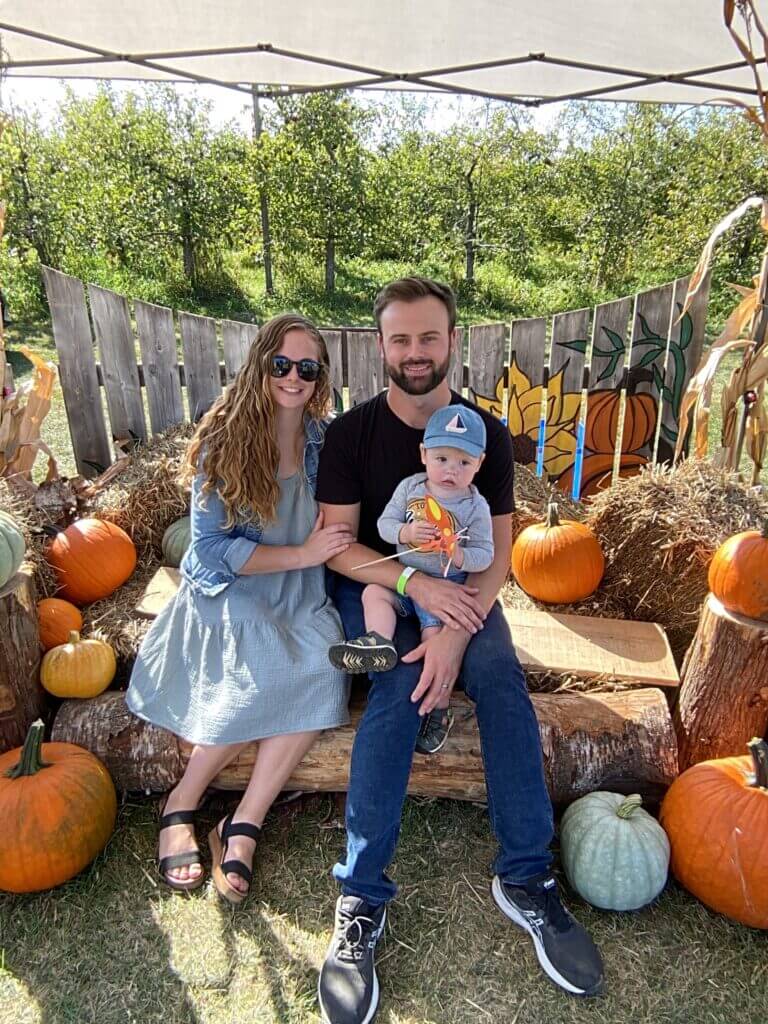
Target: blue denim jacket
216	555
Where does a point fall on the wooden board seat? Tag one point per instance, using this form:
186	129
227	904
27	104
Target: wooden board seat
618	649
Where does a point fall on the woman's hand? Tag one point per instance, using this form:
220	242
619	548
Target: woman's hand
419	532
324	543
454	604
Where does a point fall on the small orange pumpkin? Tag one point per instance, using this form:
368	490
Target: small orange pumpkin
558	562
58	808
91	559
716	817
79	668
57	619
601	428
738	573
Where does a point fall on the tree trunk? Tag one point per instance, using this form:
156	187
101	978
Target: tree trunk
330	265
190	269
22	698
469	241
723	697
620	741
266	234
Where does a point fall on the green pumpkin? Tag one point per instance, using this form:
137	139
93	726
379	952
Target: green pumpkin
615	855
12	548
176	541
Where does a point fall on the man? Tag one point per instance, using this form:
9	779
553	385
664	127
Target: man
367	452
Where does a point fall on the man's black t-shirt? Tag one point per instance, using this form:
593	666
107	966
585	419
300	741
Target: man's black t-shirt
369	450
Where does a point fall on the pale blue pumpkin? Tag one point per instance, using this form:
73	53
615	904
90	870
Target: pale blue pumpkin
12	548
615	855
176	541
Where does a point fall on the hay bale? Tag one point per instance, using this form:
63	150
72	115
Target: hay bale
114	619
532	495
20	504
145	498
659	531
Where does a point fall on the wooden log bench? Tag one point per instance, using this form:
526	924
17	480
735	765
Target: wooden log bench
621	741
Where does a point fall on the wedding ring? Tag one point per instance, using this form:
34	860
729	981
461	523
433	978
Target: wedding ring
444	686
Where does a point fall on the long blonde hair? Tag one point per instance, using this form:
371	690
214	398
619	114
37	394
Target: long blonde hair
237	437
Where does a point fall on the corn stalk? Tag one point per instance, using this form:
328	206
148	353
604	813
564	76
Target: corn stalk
743	400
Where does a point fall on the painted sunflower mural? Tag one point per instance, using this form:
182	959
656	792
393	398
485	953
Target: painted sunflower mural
524	413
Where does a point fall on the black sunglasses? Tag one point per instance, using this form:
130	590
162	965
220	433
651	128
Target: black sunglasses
307	369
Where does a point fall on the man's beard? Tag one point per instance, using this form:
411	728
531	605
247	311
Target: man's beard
418	385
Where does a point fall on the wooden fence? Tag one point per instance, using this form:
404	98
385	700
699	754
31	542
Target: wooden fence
588	395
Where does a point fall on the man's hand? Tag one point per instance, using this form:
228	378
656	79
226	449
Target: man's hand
454	604
442	653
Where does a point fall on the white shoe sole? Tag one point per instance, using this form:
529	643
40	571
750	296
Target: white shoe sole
374	994
549	969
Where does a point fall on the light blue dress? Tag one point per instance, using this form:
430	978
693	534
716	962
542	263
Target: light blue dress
250	660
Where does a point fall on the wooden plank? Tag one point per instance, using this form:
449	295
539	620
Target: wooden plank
159	370
333	342
488	344
650	336
528	342
112	326
236	339
456	372
366	366
569	349
158	592
636	652
566	377
686	344
610	344
77	372
201	362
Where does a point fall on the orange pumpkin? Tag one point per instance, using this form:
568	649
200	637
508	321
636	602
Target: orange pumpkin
738	573
601	428
57	619
91	559
597	472
557	562
58	809
716	817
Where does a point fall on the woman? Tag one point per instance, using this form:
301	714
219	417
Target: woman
240	654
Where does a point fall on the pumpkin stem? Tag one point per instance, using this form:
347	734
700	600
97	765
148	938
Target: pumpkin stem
759	750
74	637
629	806
31	761
553	517
764	532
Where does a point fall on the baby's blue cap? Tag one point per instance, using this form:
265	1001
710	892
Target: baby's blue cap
456	426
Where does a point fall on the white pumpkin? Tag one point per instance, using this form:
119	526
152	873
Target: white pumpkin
615	855
12	548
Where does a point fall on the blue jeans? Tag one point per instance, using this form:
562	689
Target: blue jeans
518	801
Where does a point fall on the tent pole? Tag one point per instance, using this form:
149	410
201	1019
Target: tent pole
265	232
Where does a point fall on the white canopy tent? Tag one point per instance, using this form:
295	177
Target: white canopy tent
671	51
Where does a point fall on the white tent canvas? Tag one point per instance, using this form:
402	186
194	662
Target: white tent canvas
653	50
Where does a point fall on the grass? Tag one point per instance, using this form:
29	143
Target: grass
112	946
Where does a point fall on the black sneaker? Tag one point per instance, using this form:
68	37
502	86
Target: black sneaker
370	652
565	950
348	989
434	730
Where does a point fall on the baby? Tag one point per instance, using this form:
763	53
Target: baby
452	452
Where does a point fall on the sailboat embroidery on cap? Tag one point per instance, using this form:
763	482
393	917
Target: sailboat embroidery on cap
457	425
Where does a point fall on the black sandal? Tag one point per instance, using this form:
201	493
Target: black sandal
220	868
180	860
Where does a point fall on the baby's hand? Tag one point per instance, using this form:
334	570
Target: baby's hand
418	532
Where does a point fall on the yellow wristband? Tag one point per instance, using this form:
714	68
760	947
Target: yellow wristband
403	578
